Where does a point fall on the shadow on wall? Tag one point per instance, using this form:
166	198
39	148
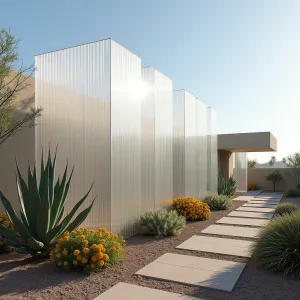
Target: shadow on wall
257	176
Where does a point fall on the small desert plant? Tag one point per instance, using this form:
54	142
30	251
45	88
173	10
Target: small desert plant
4	220
87	249
162	223
226	187
275	177
251	187
218	202
285	208
278	244
293	193
191	209
42	210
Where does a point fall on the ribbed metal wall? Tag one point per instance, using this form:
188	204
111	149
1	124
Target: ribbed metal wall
157	134
73	87
125	140
212	150
178	144
240	171
201	152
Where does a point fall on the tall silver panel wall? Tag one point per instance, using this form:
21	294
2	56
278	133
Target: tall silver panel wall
157	137
240	171
92	112
212	151
189	146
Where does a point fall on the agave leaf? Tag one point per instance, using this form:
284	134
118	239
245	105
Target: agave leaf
67	189
23	192
25	250
11	242
24	220
59	216
43	220
6	232
51	177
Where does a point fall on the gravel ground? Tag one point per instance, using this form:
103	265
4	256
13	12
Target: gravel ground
24	278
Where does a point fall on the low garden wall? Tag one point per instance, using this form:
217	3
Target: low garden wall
257	176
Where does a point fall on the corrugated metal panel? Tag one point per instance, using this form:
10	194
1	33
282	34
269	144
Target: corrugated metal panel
73	87
125	140
240	171
178	144
191	184
201	115
212	150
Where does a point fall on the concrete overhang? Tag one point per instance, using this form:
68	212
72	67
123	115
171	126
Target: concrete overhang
247	142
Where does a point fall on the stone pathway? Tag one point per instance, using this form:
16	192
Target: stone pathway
200	271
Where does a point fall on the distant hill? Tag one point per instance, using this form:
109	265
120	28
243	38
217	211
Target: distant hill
278	164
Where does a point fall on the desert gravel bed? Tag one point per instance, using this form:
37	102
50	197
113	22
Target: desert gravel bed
22	278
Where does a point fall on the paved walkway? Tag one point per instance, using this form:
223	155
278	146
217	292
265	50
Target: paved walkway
206	272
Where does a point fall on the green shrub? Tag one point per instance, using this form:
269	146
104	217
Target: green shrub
226	187
4	220
274	177
292	193
42	211
285	208
218	202
162	223
278	245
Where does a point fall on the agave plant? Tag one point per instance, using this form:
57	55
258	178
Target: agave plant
42	210
226	187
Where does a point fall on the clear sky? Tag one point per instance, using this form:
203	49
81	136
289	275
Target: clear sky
242	57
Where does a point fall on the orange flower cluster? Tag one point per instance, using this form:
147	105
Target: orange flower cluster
4	220
251	187
191	208
88	249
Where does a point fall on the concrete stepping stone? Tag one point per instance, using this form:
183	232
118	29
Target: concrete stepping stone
256	209
127	291
232	231
243	198
253	193
196	271
243	221
247	214
217	245
268	198
264	202
269	205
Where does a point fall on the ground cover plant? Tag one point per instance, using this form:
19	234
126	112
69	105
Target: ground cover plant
4	220
218	202
162	223
292	193
285	208
192	209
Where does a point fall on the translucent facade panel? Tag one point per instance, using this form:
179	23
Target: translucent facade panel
240	171
178	144
73	87
125	140
212	151
201	152
191	170
157	133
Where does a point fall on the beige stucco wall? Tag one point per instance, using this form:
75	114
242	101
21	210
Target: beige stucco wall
225	163
19	146
257	176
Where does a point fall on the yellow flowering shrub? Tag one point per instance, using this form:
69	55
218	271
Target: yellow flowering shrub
191	208
87	249
4	220
251	187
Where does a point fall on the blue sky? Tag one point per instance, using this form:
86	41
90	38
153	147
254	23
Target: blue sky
242	57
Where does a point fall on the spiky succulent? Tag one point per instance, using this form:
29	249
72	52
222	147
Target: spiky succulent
42	210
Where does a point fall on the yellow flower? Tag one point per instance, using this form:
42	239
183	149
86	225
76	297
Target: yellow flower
93	266
85	242
78	257
100	247
105	257
86	250
59	263
66	233
75	262
76	252
94	246
100	263
66	238
60	240
113	250
82	237
58	255
65	252
94	258
84	260
99	255
65	263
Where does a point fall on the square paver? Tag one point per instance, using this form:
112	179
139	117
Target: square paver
243	198
268	198
232	231
127	291
248	214
196	271
259	205
253	193
217	245
256	209
264	202
243	221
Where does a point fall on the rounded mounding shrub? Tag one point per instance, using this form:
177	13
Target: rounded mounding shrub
192	209
292	193
162	223
285	208
278	246
251	187
218	202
